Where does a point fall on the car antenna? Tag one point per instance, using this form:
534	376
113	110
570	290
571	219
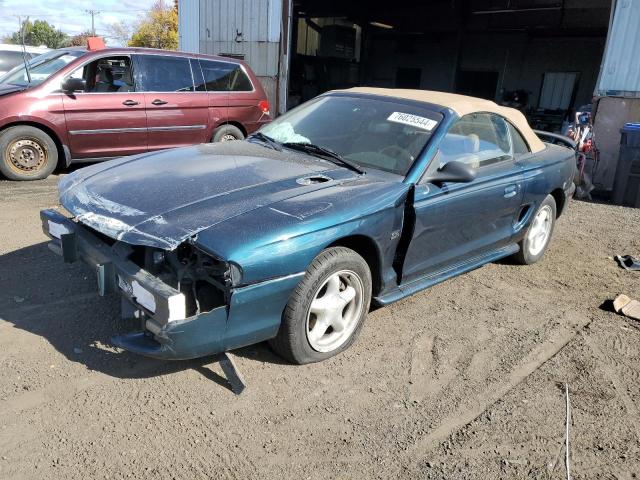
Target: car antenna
24	49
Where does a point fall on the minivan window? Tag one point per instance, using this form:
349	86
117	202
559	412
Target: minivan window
223	77
41	67
239	82
107	75
163	73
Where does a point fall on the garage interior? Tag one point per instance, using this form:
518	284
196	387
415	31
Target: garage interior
540	56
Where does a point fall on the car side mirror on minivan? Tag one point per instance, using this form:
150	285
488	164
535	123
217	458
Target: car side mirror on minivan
74	84
453	171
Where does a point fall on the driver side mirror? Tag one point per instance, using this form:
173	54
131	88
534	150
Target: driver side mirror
453	171
74	84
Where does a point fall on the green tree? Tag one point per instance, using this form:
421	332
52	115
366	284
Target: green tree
40	32
158	29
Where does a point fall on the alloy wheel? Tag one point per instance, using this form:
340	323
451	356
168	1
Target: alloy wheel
539	231
335	311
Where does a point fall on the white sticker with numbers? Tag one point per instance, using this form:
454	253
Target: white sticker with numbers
413	120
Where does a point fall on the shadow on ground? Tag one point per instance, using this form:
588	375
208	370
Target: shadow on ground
58	302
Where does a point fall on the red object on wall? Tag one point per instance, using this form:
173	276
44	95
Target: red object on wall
95	43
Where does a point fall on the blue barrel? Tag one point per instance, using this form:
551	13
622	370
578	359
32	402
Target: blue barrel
626	185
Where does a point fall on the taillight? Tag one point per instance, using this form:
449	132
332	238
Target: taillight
263	105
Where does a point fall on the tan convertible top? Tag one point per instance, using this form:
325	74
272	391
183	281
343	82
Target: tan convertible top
462	105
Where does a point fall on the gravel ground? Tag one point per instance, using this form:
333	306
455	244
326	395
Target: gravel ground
465	380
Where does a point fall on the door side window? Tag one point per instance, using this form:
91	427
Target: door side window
477	139
223	77
163	73
107	75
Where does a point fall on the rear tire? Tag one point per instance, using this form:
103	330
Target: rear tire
327	309
538	234
227	133
27	153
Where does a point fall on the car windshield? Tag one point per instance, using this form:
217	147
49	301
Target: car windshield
40	67
380	133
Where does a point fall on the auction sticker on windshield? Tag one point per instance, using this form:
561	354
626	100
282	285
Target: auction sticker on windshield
413	120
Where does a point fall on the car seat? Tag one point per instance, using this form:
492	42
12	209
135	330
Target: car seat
472	144
126	81
104	82
460	147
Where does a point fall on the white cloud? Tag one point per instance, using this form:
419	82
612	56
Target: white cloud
70	15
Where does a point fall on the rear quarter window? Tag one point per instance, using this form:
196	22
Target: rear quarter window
520	147
223	77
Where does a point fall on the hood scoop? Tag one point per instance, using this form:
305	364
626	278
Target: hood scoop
313	180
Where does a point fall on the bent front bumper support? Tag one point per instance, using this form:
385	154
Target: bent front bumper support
252	315
114	271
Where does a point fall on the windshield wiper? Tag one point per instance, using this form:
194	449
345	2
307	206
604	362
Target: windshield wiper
268	140
323	152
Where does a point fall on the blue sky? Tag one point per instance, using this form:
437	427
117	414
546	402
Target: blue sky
69	15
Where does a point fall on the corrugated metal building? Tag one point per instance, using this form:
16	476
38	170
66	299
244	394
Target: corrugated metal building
620	72
618	88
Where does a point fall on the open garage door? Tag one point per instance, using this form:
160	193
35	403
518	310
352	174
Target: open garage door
541	56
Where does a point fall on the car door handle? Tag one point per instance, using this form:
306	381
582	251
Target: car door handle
130	103
157	101
510	191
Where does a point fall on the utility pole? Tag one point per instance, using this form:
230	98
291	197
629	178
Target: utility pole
93	14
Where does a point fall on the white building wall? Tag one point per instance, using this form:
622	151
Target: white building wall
247	27
188	26
620	71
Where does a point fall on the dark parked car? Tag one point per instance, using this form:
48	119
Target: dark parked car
355	196
74	105
12	55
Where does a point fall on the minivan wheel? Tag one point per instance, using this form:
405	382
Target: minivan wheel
327	309
226	133
27	153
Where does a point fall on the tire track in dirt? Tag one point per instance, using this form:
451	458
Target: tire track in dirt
65	390
428	376
483	400
42	308
607	361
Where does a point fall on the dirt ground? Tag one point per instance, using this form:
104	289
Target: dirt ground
465	380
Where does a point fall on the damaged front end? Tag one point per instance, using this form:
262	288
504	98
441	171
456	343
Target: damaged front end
181	296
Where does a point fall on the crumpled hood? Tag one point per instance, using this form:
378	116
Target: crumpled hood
161	199
6	89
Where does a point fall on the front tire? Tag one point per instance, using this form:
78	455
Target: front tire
538	235
327	309
27	153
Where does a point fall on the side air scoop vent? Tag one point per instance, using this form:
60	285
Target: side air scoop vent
313	180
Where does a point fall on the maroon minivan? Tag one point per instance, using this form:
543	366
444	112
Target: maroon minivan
73	105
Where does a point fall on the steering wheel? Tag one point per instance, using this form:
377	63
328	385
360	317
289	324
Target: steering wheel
399	154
